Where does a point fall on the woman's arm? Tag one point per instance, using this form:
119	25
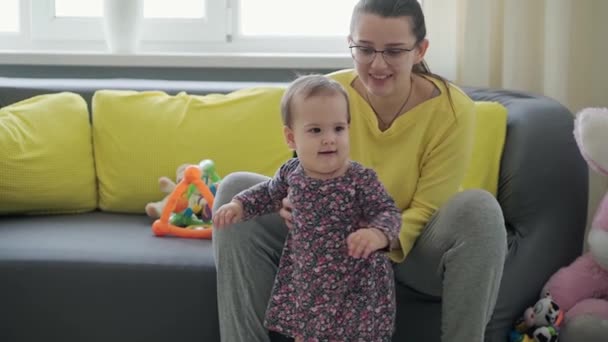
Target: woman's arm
442	170
379	209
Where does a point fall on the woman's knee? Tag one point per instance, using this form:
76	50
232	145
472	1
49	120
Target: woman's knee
257	239
232	240
234	183
478	213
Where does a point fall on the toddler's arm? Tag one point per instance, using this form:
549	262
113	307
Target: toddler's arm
265	198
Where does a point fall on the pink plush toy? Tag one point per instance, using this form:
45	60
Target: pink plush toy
581	289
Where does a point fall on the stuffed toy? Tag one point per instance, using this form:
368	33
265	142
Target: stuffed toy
166	185
155	209
193	209
581	289
540	323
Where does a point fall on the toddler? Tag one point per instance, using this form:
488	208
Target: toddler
335	281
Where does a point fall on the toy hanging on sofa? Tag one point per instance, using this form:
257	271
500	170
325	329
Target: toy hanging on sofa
196	201
178	217
540	323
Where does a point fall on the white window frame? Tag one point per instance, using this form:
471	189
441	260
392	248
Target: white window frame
218	35
46	40
45	26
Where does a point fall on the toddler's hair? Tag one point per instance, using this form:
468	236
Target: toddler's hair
306	87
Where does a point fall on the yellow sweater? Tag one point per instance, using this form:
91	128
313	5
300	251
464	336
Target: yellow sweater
421	159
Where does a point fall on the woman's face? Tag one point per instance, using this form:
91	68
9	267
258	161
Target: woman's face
382	78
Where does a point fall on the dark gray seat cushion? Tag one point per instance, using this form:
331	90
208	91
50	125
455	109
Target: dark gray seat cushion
66	277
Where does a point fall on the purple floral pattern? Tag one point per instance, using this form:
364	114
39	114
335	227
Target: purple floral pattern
320	292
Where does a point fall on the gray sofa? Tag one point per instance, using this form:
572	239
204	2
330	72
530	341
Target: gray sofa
102	276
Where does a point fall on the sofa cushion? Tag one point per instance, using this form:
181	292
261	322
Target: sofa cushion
103	277
140	136
490	134
46	156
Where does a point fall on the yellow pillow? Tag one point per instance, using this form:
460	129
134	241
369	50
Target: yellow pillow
140	136
46	156
490	133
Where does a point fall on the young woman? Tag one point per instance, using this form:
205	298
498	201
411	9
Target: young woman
415	130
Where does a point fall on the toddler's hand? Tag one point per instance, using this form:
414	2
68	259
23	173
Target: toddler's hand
285	212
365	241
228	213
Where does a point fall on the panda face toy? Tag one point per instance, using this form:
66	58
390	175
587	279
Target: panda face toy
544	313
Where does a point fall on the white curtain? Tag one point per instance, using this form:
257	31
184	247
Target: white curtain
557	48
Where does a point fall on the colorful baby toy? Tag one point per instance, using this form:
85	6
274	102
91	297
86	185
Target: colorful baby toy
540	323
192	196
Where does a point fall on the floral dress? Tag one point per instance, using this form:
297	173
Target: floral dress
320	292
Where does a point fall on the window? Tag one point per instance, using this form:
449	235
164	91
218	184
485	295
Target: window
76	9
180	9
310	33
9	16
207	25
331	18
168	21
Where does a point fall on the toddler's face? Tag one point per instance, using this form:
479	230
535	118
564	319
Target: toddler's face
319	134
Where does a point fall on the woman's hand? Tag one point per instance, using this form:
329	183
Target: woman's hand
365	241
285	212
228	213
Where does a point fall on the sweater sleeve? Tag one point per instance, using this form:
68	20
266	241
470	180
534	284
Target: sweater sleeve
266	197
441	172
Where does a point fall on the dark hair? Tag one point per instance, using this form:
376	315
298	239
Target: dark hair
307	86
395	9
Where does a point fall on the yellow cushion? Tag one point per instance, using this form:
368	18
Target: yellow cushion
140	136
490	133
46	158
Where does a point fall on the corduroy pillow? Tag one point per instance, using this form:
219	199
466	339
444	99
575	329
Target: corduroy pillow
490	134
140	136
46	156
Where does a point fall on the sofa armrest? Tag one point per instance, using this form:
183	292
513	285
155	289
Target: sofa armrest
543	191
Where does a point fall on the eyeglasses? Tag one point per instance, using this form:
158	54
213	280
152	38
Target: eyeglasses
366	54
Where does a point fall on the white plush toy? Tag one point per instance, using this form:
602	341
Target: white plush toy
581	289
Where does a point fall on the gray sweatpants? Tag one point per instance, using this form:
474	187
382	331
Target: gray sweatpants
458	257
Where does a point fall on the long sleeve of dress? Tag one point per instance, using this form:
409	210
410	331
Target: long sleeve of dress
265	198
379	209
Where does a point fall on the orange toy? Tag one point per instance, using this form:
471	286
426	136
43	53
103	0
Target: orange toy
162	226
